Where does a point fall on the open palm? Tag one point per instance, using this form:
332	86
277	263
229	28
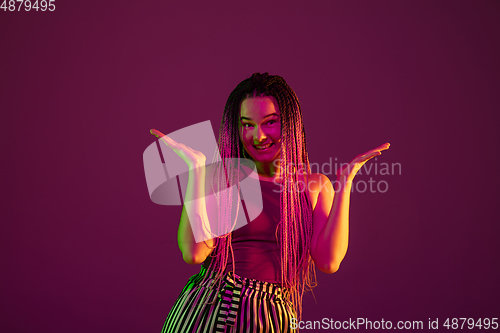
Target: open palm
193	158
347	172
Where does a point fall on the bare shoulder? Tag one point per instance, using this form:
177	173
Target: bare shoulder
320	188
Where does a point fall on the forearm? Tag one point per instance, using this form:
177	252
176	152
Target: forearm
331	246
331	243
194	218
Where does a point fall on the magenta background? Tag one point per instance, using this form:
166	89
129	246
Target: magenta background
82	247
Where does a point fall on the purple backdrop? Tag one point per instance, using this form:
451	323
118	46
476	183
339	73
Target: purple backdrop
83	248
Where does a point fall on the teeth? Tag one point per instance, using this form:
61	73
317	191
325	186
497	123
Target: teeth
263	147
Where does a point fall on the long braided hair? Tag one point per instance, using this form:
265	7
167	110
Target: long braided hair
295	229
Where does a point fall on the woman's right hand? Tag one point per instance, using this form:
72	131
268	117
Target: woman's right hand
194	217
193	158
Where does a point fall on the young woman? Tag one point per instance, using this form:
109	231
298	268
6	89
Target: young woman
253	278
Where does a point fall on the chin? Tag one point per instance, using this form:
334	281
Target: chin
265	158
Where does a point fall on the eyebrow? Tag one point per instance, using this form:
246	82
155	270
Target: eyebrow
269	115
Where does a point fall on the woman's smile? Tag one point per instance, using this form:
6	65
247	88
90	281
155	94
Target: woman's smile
263	148
260	128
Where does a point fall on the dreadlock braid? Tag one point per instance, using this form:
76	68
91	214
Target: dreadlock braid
295	229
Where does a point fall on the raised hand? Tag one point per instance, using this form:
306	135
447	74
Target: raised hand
194	223
193	158
347	172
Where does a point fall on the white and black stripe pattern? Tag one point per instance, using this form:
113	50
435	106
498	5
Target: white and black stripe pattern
237	305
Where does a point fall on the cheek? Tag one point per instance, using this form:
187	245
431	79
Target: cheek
245	137
276	134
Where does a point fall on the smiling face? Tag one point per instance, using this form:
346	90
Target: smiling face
260	128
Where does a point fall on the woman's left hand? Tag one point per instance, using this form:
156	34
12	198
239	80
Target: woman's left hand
347	172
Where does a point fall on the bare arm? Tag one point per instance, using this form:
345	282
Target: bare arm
192	252
331	226
194	212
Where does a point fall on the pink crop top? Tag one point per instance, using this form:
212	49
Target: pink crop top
256	251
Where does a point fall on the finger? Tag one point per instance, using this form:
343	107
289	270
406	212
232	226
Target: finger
165	138
156	133
369	157
385	146
365	157
360	161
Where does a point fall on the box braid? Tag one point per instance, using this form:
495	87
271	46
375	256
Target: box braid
295	230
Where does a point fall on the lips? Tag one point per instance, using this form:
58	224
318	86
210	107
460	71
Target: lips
263	147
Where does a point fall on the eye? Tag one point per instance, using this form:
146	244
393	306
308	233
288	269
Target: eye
246	125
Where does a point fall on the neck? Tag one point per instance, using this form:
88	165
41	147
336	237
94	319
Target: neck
268	170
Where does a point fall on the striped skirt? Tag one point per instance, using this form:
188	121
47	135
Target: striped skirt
235	305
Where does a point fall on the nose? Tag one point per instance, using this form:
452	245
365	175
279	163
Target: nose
258	135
